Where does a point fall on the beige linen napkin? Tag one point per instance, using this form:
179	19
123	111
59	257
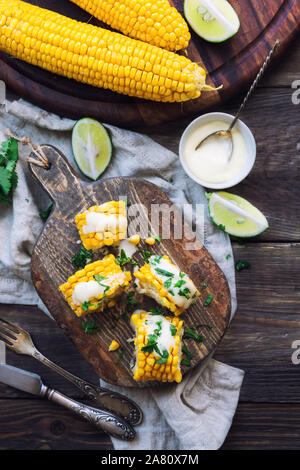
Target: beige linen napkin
197	413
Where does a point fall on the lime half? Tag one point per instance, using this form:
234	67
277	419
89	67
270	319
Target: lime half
91	146
235	215
213	20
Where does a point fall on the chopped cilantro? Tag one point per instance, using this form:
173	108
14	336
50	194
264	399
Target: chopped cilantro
173	329
82	258
191	333
208	300
163	272
120	356
242	265
172	292
187	352
168	283
151	343
180	283
8	176
98	278
228	256
185	293
156	237
170	179
44	214
146	255
186	362
155	311
164	357
181	275
204	285
89	327
122	259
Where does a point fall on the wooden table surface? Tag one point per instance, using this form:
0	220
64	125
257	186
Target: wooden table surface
260	338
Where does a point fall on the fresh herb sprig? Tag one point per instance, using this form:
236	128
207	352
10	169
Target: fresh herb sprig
8	175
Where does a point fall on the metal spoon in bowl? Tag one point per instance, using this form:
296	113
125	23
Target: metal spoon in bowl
226	136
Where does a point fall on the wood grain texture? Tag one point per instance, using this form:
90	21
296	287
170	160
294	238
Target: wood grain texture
51	266
39	425
272	185
233	63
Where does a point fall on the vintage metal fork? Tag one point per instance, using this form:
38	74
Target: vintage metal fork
20	342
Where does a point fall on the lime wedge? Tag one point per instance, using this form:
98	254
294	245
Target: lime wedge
235	215
92	147
213	20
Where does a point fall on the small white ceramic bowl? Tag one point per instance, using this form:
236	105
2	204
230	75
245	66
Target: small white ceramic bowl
250	146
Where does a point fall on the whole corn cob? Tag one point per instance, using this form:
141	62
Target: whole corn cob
96	56
152	21
103	225
95	287
158	347
163	281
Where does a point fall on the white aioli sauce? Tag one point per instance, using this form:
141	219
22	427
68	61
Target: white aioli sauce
165	338
99	222
84	291
210	162
128	247
178	277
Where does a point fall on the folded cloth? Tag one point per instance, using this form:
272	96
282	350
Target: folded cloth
195	414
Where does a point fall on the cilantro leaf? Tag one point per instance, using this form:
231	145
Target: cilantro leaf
82	258
191	333
89	327
164	357
208	300
173	329
242	265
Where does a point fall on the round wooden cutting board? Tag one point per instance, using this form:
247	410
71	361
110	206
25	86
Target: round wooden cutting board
233	64
51	266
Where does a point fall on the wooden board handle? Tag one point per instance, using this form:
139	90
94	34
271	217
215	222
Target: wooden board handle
59	180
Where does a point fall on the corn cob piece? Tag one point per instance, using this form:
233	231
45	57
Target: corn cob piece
163	281
154	21
114	345
103	225
158	347
95	287
97	56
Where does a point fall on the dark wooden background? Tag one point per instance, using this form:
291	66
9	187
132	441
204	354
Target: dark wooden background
268	318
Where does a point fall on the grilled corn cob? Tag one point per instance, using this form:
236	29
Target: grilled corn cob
103	225
164	282
96	286
152	21
97	56
158	347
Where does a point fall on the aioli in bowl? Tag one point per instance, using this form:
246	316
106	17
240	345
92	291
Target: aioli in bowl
209	165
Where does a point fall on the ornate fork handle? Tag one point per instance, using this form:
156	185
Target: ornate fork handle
103	420
112	401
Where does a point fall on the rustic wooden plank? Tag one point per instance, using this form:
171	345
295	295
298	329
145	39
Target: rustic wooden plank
288	71
273	183
36	424
264	426
261	335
